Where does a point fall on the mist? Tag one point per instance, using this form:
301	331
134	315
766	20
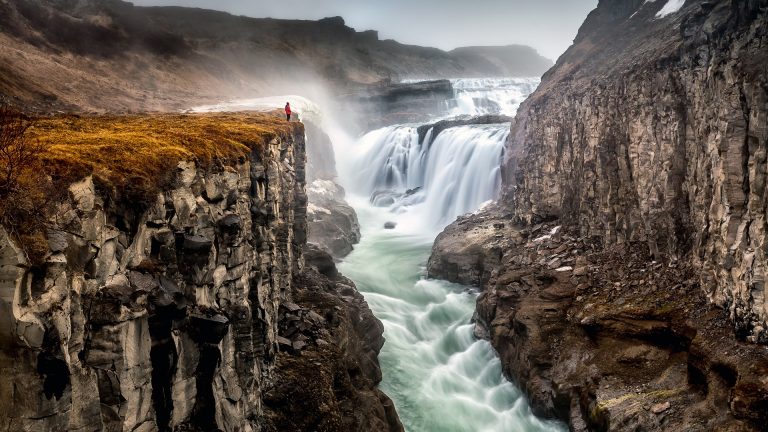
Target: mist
549	26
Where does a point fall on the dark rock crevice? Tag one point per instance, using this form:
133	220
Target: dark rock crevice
175	324
603	336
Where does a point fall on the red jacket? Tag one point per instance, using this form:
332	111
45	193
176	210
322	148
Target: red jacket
287	109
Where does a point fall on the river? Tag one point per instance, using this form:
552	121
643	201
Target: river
441	378
439	375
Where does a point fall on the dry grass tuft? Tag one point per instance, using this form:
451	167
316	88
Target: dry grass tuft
130	157
140	151
136	155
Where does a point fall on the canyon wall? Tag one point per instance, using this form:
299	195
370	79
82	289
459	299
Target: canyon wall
654	129
109	55
183	318
623	269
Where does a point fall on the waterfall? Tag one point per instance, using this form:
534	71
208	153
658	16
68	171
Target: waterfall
440	377
431	181
426	185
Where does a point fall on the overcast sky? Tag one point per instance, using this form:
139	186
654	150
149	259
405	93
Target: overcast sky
547	25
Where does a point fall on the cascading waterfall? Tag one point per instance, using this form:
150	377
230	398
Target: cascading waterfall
441	378
432	181
490	95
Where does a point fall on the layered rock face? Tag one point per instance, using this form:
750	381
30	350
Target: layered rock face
654	129
109	55
326	379
169	320
386	104
602	336
624	266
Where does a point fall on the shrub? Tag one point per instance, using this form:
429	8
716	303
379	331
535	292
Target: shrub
18	154
25	191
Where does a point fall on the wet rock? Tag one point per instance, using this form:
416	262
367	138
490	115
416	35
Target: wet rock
660	407
384	198
333	224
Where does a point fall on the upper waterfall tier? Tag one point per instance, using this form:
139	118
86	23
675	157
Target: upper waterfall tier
478	96
434	182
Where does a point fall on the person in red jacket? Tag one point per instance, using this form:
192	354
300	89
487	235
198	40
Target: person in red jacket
288	111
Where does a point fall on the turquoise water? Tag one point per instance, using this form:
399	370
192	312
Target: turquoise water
440	377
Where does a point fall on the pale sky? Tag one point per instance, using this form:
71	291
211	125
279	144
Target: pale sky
547	25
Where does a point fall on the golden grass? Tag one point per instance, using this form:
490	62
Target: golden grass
644	396
133	155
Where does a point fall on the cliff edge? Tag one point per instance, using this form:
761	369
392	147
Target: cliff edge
624	265
169	289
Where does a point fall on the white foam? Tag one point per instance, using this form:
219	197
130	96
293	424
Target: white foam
671	7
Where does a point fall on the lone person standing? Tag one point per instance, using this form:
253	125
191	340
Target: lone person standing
288	111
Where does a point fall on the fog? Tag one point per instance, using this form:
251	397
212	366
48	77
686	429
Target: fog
547	25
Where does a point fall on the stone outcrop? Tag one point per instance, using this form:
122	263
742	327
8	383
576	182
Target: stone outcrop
623	270
172	319
603	336
654	129
333	224
328	370
470	249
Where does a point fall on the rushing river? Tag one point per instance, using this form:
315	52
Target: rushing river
440	377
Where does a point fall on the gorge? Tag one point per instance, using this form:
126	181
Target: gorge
582	251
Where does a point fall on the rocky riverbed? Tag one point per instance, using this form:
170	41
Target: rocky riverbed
623	269
603	336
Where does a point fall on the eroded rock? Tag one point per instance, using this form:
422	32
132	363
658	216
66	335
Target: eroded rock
173	324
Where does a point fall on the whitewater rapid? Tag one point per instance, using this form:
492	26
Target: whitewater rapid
439	375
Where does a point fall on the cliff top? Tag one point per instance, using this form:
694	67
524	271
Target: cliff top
137	153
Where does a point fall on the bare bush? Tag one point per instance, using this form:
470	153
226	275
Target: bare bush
26	193
19	155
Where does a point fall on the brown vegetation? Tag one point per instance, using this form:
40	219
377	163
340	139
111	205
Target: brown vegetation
25	191
130	157
18	153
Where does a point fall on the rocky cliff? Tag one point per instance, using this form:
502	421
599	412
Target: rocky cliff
645	146
179	312
657	134
109	55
